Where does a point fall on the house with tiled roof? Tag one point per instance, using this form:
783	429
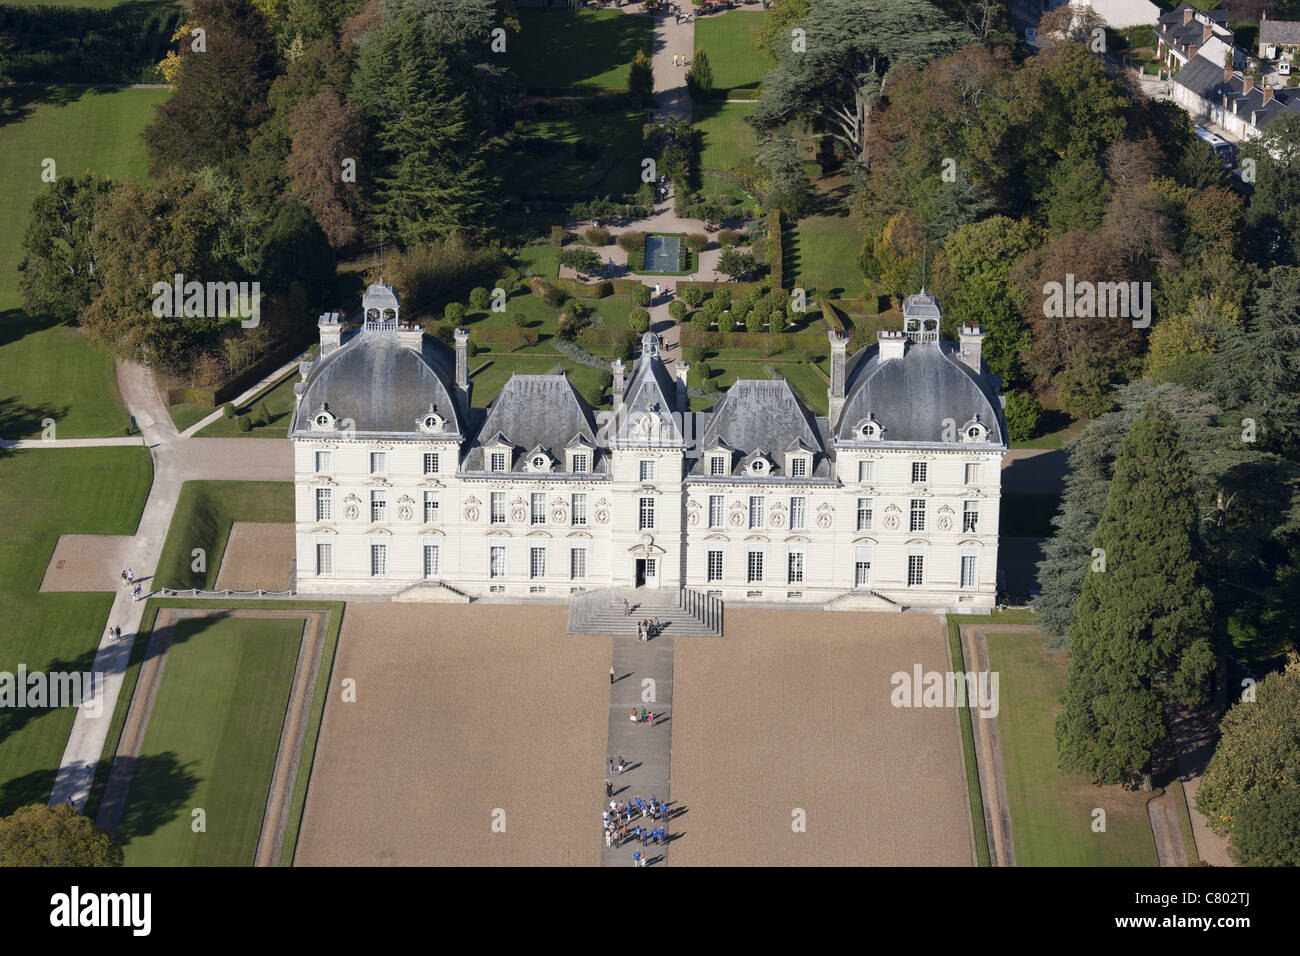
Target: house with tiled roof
1277	37
1231	99
1185	32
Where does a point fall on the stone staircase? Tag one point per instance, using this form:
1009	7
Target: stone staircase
681	613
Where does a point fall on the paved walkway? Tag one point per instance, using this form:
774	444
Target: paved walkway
174	462
646	749
672	38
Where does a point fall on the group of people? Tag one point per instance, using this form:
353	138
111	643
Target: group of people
618	822
128	578
620	765
642	717
647	629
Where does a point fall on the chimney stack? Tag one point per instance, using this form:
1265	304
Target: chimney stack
1227	73
461	337
835	394
1207	32
1191	50
411	335
1268	92
1247	84
1188	14
893	344
618	369
971	338
331	332
683	394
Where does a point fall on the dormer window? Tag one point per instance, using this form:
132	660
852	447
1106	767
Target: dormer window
539	462
581	463
868	430
974	431
799	466
432	422
758	467
717	465
323	420
497	461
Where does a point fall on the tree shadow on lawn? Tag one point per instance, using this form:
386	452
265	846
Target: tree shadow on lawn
159	791
566	45
14	719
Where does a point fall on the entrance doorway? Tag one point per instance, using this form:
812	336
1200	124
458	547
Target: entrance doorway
646	573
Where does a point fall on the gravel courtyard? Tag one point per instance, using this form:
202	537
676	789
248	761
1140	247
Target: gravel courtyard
460	710
792	710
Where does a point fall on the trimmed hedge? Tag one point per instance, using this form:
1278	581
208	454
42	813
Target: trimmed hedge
775	249
557	236
814	341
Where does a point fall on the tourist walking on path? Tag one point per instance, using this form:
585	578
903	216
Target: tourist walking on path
611	673
627	608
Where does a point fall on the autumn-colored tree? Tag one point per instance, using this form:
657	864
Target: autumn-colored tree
328	140
42	835
893	257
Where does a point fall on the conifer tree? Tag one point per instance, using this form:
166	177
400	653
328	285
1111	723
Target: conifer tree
1140	631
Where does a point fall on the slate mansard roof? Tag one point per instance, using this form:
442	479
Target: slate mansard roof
762	416
914	397
537	412
384	386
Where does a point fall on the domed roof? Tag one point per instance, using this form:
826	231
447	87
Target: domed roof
917	397
383	386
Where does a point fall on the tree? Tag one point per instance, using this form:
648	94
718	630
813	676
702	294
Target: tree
41	835
1139	637
736	264
640	79
220	97
894	256
429	172
479	298
1274	216
1267	831
638	321
579	259
850	51
295	250
1259	371
1023	415
326	135
786	184
1258	754
699	78
641	295
59	267
1076	195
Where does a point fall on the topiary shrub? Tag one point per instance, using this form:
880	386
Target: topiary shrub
454	313
677	309
777	322
594	236
243	424
479	299
641	295
693	354
755	322
706	373
692	295
638	321
262	415
728	238
723	298
228	410
696	242
631	241
1024	414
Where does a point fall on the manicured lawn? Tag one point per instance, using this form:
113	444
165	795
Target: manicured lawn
187	414
211	743
807	384
204	513
1052	812
574	154
727	41
49	370
48	493
541	261
825	255
590	49
726	138
279	405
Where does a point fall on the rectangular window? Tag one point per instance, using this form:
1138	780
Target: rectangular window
715	511
378	462
795	568
378	505
715	564
970	517
968	571
798	513
861	567
538	507
579	464
717	466
537	562
798	467
919	469
647	471
497	561
498	507
378	559
578	564
324	504
324	559
430	560
430	463
755	568
918	514
866	513
865	470
579	509
430	507
915	570
757	509
972	473
646	515
324	461
498	461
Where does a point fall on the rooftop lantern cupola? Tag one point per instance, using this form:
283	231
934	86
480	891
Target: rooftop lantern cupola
921	318
380	307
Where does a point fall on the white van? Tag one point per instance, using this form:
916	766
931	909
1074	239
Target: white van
1226	152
